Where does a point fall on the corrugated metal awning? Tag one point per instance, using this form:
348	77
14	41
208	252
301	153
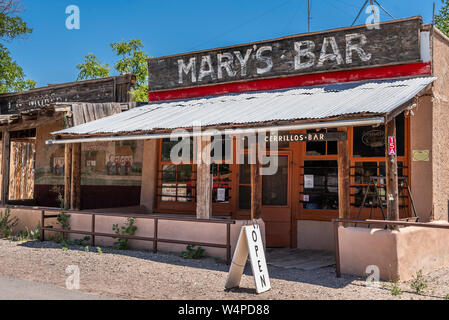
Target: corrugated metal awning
367	99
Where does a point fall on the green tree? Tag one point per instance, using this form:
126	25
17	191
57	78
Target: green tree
442	18
131	59
92	68
12	77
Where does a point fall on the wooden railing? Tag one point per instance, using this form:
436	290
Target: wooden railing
155	239
337	222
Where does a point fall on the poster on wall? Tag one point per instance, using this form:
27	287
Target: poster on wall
103	163
168	192
308	181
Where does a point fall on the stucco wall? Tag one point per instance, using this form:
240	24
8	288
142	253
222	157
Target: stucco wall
167	229
421	171
440	136
149	175
315	235
399	253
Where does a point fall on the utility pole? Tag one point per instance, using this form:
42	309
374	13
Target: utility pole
308	14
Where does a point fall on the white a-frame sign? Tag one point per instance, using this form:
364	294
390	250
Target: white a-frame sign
250	241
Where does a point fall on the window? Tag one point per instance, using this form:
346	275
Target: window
177	183
245	185
167	146
221	174
370	141
363	172
321	148
320	182
275	187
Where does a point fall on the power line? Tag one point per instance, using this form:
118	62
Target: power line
241	25
371	5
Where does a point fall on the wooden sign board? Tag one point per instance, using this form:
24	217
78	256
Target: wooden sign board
111	89
249	243
396	42
307	137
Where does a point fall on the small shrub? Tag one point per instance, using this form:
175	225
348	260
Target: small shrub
446	297
82	242
7	223
59	191
86	249
63	220
418	283
193	253
128	229
99	250
36	233
394	288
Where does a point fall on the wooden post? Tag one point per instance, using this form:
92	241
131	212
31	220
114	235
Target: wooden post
67	174
6	153
256	184
344	201
203	178
75	196
392	174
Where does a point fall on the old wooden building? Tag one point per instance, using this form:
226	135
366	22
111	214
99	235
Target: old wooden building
32	172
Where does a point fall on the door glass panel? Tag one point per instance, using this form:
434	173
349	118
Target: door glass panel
320	183
275	187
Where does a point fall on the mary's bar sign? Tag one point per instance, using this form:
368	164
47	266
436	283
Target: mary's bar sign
395	42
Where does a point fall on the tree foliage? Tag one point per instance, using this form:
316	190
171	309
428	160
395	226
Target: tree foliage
132	59
442	18
92	68
12	77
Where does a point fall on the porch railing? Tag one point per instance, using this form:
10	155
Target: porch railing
337	222
155	238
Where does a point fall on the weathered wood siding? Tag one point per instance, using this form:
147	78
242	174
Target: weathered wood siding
21	178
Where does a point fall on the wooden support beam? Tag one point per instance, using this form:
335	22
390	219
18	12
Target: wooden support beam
203	178
392	174
75	194
256	183
67	174
6	153
344	201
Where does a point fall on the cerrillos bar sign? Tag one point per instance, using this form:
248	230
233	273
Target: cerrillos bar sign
307	137
396	42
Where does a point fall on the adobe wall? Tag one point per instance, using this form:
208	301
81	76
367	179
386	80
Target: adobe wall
421	175
440	135
400	253
167	229
315	235
149	175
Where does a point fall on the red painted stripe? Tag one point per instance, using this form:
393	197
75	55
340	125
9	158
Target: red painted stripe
295	81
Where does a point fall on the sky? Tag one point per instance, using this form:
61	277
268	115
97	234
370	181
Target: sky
50	54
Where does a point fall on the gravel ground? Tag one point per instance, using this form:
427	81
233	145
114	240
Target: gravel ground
136	274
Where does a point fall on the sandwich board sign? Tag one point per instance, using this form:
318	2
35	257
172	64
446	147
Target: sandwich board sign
249	242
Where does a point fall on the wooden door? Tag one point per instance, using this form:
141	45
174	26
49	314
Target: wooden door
276	203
